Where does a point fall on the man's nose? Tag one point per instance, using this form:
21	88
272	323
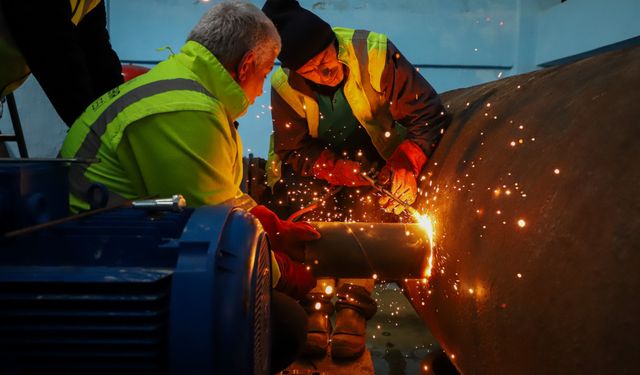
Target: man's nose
325	71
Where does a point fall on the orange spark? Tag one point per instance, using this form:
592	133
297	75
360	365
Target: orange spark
427	224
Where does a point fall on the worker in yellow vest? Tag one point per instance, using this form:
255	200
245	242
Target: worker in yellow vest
346	101
66	46
172	130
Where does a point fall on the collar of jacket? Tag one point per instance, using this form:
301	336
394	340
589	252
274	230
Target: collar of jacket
214	77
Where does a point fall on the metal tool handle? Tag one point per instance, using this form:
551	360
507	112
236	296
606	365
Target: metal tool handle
175	203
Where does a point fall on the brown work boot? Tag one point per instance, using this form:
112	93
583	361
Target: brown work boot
354	307
349	336
318	307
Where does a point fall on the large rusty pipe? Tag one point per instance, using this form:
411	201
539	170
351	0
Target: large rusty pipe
390	251
535	194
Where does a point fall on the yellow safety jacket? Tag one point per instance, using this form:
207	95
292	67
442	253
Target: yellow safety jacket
169	131
365	55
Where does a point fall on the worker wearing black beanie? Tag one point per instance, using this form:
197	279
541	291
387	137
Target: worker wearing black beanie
303	34
345	101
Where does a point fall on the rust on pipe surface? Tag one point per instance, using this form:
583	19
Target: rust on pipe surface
390	251
535	195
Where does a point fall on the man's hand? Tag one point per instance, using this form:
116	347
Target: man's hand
285	236
338	171
403	186
401	171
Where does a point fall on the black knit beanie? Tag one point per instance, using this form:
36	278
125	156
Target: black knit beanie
303	34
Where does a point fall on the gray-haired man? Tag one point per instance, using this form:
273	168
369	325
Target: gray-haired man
172	130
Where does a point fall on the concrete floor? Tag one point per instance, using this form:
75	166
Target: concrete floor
396	337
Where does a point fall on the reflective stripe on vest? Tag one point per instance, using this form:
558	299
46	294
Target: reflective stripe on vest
372	109
274	165
303	105
79	184
80	8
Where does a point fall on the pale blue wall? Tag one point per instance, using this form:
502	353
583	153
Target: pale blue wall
577	26
456	43
43	129
549	30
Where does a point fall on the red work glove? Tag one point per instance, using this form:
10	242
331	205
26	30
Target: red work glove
295	280
338	171
285	236
401	171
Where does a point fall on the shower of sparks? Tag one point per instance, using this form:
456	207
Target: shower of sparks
425	222
328	290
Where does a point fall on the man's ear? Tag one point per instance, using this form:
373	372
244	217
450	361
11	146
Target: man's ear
246	64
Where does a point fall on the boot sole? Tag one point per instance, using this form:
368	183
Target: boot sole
347	349
317	345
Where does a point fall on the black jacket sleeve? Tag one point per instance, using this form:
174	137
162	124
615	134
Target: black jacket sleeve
74	65
413	102
292	141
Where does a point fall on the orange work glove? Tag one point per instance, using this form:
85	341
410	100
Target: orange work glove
401	171
285	236
295	280
337	171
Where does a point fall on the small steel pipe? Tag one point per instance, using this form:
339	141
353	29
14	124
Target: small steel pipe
390	251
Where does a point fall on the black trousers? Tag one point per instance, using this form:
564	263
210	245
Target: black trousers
73	64
288	330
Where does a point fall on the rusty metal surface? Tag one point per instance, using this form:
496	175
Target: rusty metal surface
390	251
536	199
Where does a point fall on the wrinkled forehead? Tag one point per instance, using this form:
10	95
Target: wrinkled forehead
318	59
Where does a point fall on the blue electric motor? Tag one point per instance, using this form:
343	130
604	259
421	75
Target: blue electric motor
137	291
